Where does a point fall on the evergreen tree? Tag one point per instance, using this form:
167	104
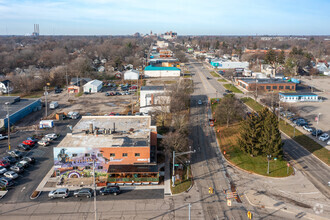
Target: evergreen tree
281	57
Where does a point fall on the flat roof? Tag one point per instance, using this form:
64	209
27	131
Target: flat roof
298	94
263	81
145	88
14	106
130	131
152	68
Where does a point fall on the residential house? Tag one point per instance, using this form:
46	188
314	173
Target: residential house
93	86
131	75
5	87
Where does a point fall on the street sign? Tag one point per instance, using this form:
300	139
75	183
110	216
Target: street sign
176	165
228	202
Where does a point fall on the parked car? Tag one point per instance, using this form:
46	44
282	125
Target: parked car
328	142
115	190
30	160
24	163
19	165
17	169
51	136
227	91
87	192
307	128
10	159
2	170
15	153
11	175
59	193
44	142
208	77
107	94
4	181
32	139
317	132
4	163
324	137
3	137
29	142
24	147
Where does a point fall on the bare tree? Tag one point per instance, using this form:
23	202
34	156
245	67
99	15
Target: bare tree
229	110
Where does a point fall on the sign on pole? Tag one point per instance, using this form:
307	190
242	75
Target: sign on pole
228	202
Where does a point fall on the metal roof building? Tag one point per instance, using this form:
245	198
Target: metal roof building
160	71
299	97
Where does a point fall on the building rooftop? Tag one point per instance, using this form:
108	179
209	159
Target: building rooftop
263	81
94	82
133	168
155	68
15	105
146	88
298	94
112	131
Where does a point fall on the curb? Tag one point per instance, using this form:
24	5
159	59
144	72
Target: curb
39	192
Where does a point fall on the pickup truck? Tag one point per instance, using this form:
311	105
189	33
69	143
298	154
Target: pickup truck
3	137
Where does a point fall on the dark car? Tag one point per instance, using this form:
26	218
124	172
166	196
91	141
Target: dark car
4	181
317	132
10	159
107	94
115	190
83	192
208	77
24	147
227	91
15	153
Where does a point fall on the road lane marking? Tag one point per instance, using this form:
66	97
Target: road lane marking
23	189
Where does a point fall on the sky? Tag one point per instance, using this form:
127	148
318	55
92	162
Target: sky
186	17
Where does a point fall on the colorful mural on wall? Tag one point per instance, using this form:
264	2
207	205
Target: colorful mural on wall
78	162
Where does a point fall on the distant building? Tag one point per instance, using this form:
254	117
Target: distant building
93	86
225	64
298	97
155	71
5	87
153	98
249	84
18	109
170	35
131	75
76	84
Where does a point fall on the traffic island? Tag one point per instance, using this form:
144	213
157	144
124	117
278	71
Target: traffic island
35	194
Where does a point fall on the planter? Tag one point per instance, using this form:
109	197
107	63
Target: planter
35	194
102	184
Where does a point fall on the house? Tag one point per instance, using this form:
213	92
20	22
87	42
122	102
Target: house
76	84
18	109
93	86
131	75
299	97
323	68
155	71
128	67
123	148
249	84
5	86
153	98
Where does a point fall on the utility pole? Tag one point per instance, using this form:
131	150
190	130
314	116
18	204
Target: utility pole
256	89
268	159
67	82
189	211
279	108
46	93
179	154
8	116
318	119
95	210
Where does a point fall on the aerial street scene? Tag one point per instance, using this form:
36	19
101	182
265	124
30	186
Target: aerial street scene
215	110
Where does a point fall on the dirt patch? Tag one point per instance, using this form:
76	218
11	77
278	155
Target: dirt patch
288	200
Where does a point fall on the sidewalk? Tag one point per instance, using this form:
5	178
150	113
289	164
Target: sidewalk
263	201
167	177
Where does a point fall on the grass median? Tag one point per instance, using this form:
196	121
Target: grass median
252	103
222	80
305	141
232	88
228	138
213	73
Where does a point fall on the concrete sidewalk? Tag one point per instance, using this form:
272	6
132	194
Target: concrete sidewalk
263	201
167	177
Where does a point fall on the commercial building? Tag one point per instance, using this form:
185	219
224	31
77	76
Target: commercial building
76	84
123	148
18	109
5	87
93	86
153	98
131	75
155	71
298	97
250	84
226	64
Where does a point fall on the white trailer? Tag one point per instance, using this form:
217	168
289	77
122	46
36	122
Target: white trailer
53	105
46	124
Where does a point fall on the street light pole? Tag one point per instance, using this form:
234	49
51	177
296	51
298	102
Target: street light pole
179	154
173	174
189	211
318	119
95	210
46	93
268	159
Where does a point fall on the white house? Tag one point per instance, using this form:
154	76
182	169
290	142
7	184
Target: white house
5	86
323	68
153	98
131	75
93	86
155	71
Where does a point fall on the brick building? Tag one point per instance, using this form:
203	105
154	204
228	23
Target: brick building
110	141
249	84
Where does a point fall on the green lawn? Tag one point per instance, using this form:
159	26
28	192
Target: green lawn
213	73
222	80
228	142
232	88
252	103
308	143
214	103
187	75
181	187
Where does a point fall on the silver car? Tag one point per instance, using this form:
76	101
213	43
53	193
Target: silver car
59	193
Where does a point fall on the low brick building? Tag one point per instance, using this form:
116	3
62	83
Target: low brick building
249	84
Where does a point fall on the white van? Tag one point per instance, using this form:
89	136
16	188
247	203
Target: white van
53	105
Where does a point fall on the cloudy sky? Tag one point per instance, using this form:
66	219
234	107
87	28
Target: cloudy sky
193	17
